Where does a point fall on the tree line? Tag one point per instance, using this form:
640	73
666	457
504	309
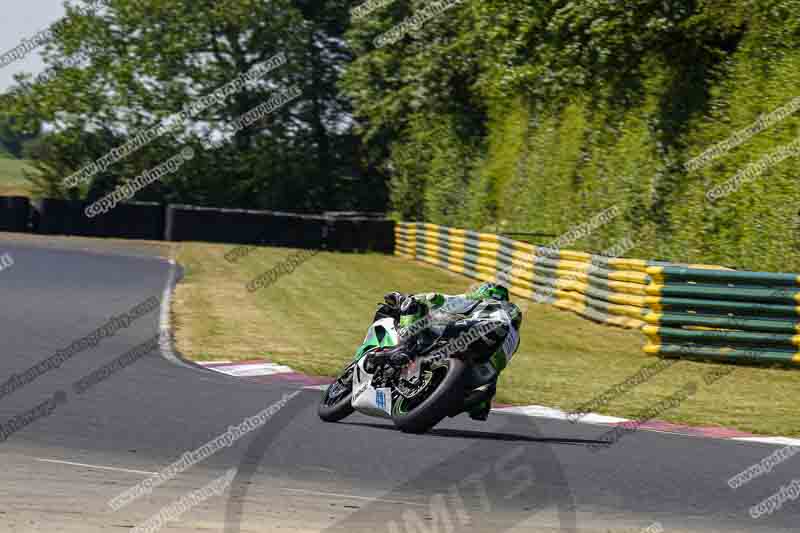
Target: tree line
508	116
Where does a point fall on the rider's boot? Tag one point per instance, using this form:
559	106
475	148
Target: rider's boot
481	411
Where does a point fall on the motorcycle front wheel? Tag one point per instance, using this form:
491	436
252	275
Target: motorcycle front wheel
445	396
336	403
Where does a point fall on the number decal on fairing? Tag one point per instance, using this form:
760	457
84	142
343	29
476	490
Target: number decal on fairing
380	399
511	343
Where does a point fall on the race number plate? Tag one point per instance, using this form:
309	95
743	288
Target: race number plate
511	343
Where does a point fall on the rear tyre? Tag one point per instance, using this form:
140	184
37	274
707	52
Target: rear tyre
446	399
336	400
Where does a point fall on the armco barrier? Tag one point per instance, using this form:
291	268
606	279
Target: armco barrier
133	220
340	231
189	223
361	234
241	226
695	311
723	315
607	290
15	213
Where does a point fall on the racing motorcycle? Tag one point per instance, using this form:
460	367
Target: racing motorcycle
450	370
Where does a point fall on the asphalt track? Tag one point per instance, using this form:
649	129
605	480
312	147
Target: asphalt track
296	473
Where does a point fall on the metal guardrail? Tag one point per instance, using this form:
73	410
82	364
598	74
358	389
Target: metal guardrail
704	312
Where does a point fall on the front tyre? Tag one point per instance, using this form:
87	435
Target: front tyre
420	417
336	403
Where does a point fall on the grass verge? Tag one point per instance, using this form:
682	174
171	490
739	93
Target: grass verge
11	181
314	319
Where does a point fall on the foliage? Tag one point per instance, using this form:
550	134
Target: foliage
571	107
148	59
500	115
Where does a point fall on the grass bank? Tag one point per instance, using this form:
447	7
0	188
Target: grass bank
314	319
11	181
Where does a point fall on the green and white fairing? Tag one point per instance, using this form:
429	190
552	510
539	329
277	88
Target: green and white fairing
376	400
367	399
382	334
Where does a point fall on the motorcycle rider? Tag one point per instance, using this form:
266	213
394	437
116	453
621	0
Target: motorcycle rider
410	312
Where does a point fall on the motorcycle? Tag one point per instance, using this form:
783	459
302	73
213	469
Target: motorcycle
451	369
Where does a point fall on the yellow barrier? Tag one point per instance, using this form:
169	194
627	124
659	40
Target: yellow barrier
608	290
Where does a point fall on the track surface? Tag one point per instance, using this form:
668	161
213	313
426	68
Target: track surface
296	473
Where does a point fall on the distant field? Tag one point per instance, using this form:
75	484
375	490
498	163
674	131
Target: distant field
314	319
11	181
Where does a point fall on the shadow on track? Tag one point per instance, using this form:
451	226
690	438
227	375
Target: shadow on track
485	435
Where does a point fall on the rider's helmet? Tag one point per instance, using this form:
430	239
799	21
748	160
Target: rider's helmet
411	310
489	290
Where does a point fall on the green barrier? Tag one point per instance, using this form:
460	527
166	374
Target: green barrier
723	306
670	273
741	317
716	337
724	322
746	294
736	355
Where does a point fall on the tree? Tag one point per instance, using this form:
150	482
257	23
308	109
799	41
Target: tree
16	133
149	59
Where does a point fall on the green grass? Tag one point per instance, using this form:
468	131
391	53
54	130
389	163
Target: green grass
11	181
314	319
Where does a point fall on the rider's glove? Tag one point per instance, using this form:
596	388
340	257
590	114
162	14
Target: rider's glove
391	307
396	356
399	357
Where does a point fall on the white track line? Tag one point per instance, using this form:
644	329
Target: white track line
351	497
540	411
165	334
771	440
252	369
94	467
